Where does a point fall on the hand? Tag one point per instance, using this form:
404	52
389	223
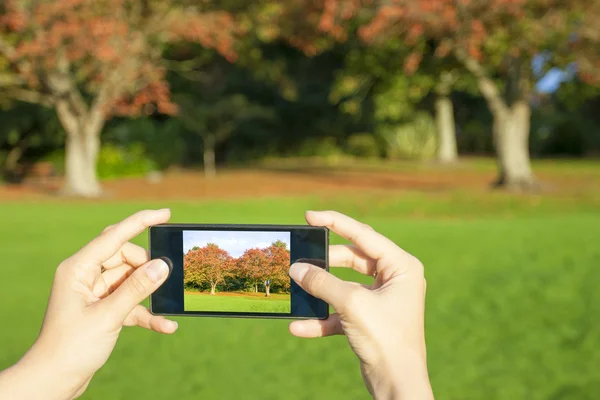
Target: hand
384	322
95	293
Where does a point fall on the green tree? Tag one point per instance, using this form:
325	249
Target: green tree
215	119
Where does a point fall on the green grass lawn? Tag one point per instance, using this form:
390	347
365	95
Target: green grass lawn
276	303
513	303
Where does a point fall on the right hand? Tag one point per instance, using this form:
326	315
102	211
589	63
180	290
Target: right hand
384	322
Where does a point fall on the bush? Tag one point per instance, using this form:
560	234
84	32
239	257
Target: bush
163	142
119	161
363	145
325	147
415	139
113	161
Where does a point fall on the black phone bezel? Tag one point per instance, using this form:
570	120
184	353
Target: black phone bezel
240	227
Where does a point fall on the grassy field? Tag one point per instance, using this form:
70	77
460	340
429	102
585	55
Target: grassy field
512	302
238	302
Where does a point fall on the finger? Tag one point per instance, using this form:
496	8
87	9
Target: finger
111	279
322	284
142	282
142	317
130	254
392	258
317	328
351	257
370	242
114	237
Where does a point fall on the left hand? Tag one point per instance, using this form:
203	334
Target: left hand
95	293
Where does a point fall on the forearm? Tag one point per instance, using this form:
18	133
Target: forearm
33	378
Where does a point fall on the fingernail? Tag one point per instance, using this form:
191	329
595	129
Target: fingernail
174	324
297	271
164	210
156	270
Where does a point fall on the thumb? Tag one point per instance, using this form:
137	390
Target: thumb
139	285
321	284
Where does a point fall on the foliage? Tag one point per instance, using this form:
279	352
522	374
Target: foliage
363	145
271	264
163	142
218	117
118	68
26	132
208	264
325	147
265	267
120	161
118	64
114	161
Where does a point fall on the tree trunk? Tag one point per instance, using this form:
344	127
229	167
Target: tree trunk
267	290
213	286
81	151
512	147
256	287
444	115
512	118
80	166
210	169
13	157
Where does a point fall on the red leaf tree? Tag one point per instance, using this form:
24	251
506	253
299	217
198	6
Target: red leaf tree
267	266
93	59
496	42
250	264
209	264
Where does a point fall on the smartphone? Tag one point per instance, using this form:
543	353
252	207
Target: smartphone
237	270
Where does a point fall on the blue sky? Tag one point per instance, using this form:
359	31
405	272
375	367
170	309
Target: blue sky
549	81
234	242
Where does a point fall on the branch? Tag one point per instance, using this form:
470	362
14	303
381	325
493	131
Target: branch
9	80
488	88
30	96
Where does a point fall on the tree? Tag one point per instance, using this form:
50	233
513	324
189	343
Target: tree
276	273
215	119
268	266
209	264
250	264
92	59
491	39
335	17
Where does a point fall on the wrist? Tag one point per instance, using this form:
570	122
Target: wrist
404	378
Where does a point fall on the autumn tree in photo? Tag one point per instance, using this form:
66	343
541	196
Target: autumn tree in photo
209	264
267	266
276	272
495	42
249	266
93	59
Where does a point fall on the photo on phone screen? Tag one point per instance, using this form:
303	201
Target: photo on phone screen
237	270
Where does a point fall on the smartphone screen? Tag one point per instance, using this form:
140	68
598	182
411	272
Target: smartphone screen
237	270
